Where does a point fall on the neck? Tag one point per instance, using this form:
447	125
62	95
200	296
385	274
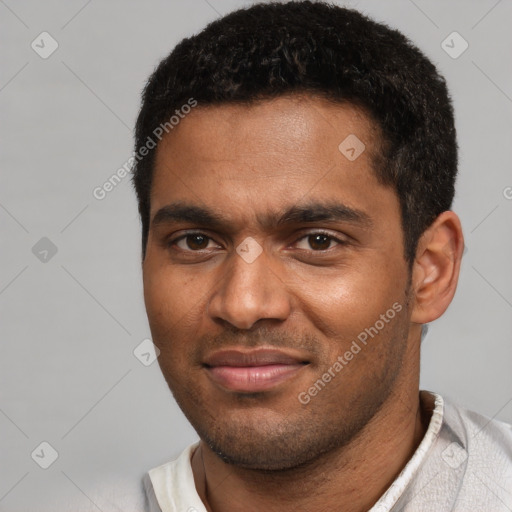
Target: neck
351	478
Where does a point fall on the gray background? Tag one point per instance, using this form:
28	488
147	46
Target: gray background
69	325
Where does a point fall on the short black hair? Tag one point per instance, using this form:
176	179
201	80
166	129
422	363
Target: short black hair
274	49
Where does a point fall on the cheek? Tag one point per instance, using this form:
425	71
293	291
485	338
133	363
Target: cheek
167	316
176	303
166	310
343	301
169	294
363	319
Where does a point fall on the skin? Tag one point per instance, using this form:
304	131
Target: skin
308	295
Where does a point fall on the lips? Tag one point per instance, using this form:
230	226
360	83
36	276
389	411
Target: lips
252	370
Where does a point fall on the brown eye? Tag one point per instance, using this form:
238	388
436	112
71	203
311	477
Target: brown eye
192	242
196	241
319	242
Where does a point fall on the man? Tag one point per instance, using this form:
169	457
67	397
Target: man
296	236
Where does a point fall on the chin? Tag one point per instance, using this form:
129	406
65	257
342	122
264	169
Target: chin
266	446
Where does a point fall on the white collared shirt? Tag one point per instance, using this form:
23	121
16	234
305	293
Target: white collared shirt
463	463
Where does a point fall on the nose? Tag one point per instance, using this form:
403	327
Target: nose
248	292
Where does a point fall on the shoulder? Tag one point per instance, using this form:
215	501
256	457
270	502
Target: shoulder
483	435
484	445
171	486
151	504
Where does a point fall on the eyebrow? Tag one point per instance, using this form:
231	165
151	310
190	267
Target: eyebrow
298	214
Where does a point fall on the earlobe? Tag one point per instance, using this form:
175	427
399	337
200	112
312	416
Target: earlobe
436	268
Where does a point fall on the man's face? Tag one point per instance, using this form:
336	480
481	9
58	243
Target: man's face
247	326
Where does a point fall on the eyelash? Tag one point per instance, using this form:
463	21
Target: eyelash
173	241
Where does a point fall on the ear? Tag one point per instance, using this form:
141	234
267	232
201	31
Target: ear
435	271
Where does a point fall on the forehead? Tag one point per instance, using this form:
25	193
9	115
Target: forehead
298	124
275	152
